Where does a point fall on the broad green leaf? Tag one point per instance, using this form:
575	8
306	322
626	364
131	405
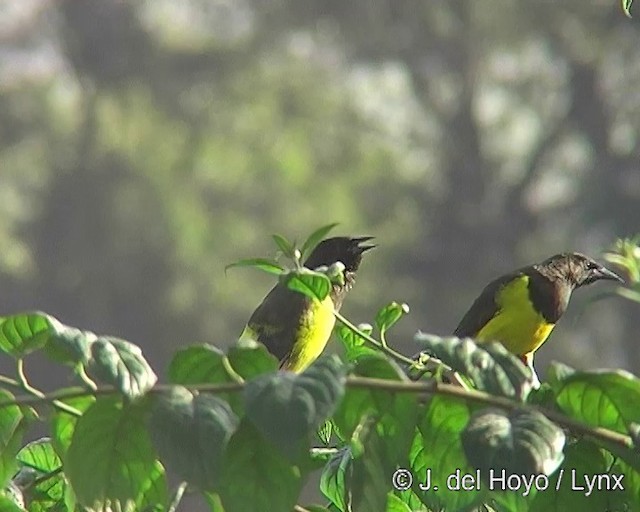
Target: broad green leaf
23	333
355	346
198	364
372	468
520	442
437	457
287	248
389	315
155	493
251	361
287	408
315	285
111	458
628	499
11	500
266	265
608	399
12	426
63	424
395	504
567	486
191	432
314	239
256	476
490	366
121	364
213	500
379	426
334	482
37	460
69	345
360	402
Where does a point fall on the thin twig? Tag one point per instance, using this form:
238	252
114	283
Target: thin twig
177	497
384	347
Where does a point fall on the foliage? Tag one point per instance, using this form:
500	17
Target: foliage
246	436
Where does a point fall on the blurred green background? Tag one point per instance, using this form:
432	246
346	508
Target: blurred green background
144	145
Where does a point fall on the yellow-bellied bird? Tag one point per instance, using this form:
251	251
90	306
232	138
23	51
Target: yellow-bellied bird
296	328
520	309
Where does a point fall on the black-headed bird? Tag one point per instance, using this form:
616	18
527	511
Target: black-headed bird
296	328
520	309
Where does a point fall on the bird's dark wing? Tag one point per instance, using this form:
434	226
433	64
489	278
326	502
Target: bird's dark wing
483	308
276	321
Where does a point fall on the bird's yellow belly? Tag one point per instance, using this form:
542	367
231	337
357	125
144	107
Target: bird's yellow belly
314	333
517	325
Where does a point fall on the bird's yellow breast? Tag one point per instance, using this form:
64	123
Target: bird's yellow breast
516	324
313	334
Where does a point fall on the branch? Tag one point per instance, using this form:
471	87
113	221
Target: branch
438	388
383	347
604	435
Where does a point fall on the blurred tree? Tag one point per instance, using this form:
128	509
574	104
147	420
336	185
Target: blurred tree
145	145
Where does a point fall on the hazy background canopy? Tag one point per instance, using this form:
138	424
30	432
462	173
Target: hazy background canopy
144	145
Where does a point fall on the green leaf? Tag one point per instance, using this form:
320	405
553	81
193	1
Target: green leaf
315	285
325	431
389	315
568	490
286	407
191	433
437	453
521	442
356	346
251	361
626	7
395	411
372	469
379	426
198	364
490	366
256	476
334	479
395	504
38	459
266	265
121	364
155	493
628	499
314	239
608	399
12	427
24	333
11	500
69	345
111	458
63	424
287	248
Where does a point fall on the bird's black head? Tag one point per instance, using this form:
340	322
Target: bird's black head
577	269
341	248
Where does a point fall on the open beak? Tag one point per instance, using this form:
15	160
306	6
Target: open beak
361	243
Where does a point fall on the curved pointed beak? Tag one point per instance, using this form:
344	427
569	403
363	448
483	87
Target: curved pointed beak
606	274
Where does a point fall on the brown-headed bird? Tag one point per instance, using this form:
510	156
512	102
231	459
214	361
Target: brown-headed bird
520	309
